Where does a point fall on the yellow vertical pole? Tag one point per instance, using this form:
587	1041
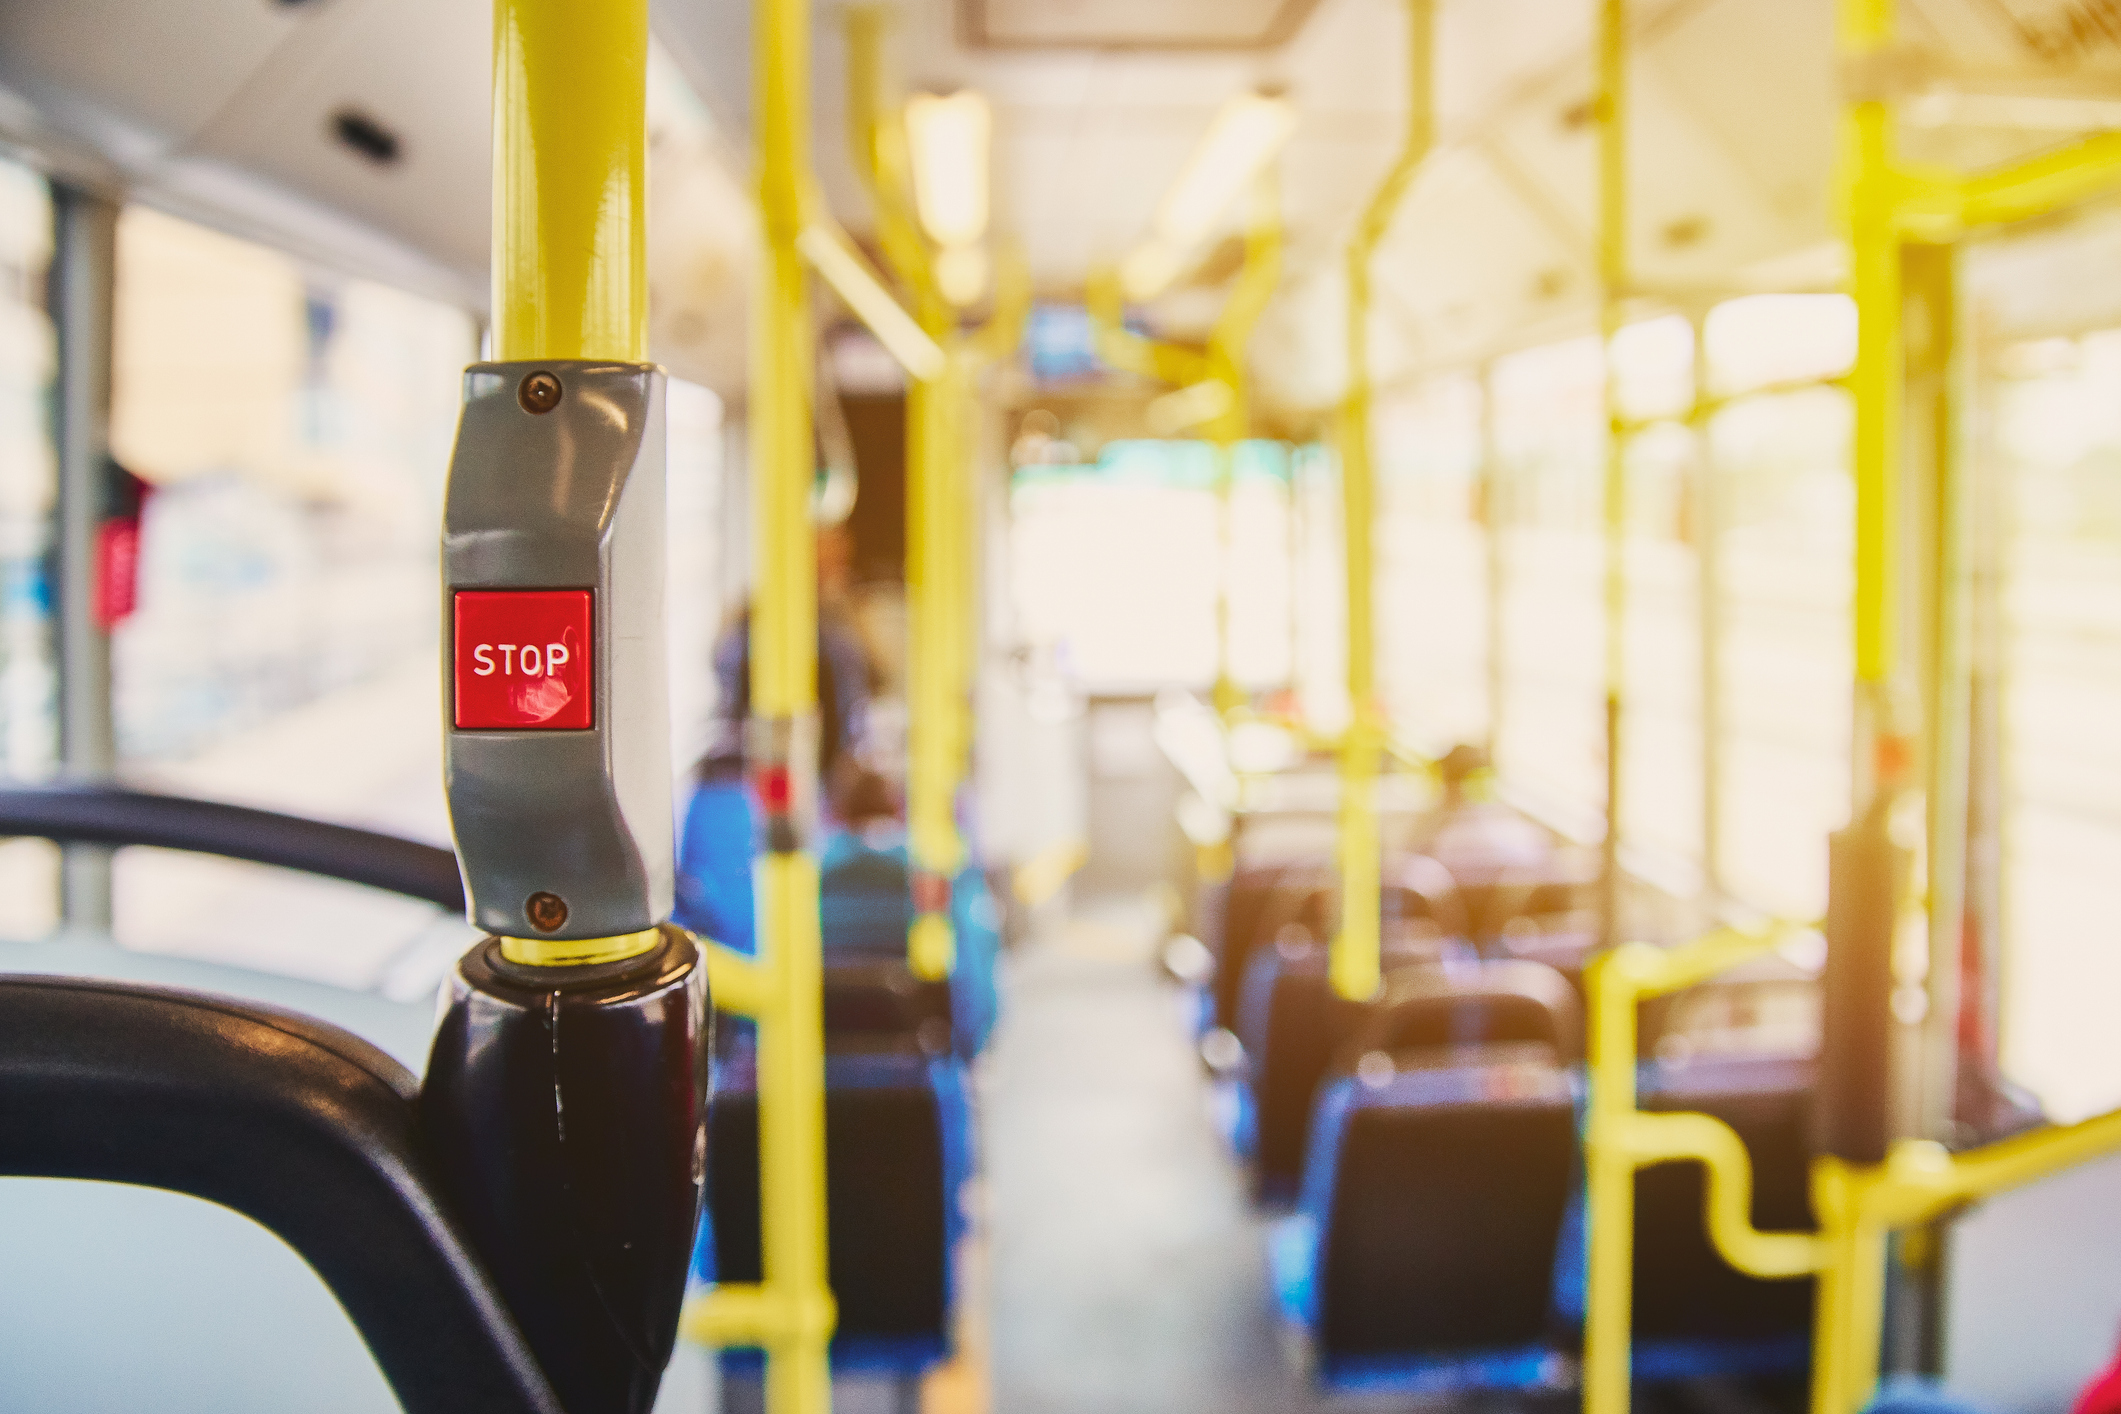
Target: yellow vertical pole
1610	1190
1612	290
784	704
1849	1312
935	734
1866	180
570	100
1849	1315
937	718
1356	964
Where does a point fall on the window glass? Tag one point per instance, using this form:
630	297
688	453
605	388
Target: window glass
1550	445
1117	564
29	683
2057	444
1432	562
1785	504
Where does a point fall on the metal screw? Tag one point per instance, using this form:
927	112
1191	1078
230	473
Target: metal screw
547	912
539	392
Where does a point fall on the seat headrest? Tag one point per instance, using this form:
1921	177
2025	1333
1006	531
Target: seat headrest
1487	1002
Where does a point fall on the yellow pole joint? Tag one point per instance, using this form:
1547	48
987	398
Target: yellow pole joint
570	96
740	985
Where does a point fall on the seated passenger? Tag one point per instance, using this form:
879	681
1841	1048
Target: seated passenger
865	901
1478	838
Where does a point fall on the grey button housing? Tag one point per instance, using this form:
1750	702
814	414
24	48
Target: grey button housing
567	499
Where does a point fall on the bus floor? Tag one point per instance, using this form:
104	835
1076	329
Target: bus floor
1128	1270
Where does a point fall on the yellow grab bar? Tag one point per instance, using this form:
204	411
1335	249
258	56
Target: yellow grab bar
1356	963
836	260
790	1313
1619	1139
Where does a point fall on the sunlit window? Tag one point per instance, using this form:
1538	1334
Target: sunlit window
1117	565
2057	445
1549	422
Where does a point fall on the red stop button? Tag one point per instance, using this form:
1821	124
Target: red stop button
524	659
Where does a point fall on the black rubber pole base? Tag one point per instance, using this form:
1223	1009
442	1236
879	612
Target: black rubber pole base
565	1115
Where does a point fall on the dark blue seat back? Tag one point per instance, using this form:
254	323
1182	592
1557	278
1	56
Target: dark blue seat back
897	1150
1437	1196
1694	1313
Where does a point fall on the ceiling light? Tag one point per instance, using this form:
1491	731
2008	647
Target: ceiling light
949	136
961	273
1147	269
1246	134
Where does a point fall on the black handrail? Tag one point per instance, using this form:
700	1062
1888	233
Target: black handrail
115	815
309	1130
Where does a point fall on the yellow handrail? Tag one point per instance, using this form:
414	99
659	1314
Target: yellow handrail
1356	962
1857	1205
1619	1138
791	1312
1128	351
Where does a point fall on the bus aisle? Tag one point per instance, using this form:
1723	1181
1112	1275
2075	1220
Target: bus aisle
1129	1271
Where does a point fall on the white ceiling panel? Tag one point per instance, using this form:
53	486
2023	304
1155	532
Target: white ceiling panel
434	96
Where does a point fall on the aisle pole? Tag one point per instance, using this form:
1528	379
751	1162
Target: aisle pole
789	1313
1612	291
1356	963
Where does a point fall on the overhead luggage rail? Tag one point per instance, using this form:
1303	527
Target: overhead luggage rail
117	816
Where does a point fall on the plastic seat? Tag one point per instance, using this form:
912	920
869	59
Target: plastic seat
1437	1186
1262	902
897	1151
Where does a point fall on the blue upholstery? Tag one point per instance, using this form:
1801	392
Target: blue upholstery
1909	1394
865	905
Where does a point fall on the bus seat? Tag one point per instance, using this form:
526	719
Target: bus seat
868	1000
1244	899
1695	1315
1565	949
1767	1006
865	909
1422	1254
1291	1022
897	1151
1416	895
1494	1002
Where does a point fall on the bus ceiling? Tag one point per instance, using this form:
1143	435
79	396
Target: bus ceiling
353	133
